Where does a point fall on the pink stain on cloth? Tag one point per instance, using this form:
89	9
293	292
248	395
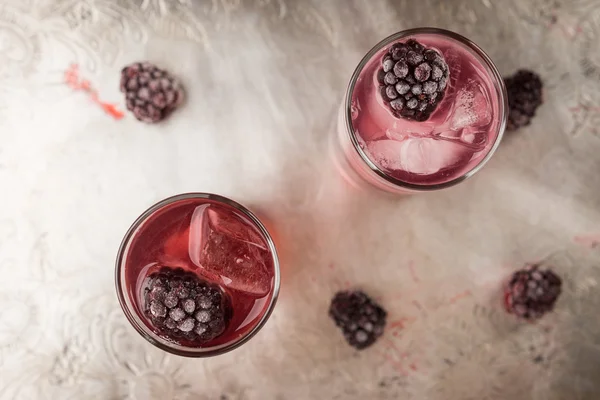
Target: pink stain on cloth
73	80
591	241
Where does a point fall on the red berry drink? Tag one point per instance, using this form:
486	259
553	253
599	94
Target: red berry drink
197	274
425	109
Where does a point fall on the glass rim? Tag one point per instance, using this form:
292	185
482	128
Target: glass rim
488	63
126	303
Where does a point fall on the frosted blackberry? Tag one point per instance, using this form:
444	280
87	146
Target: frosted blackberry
150	92
524	91
180	305
413	80
360	318
532	292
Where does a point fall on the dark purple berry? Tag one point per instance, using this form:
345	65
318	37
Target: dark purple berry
397	104
170	324
159	292
436	72
532	292
401	69
203	316
410	79
157	309
414	58
417	89
431	55
189	303
390	79
171	300
430	87
524	90
402	87
412	103
182	292
177	314
442	84
416	45
150	93
398	51
204	302
390	92
200	329
361	319
418	73
387	64
423	72
186	325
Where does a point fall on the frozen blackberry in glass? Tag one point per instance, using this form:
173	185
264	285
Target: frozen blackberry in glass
181	305
524	89
151	93
361	319
532	292
418	73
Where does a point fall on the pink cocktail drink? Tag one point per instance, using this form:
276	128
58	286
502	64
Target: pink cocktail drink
425	109
197	274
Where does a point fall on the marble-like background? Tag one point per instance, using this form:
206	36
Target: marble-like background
264	79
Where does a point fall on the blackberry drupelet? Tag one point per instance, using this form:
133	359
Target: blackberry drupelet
360	318
150	92
412	80
532	292
180	305
524	89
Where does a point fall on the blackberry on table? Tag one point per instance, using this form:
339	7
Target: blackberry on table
150	92
181	305
413	80
361	319
532	292
524	89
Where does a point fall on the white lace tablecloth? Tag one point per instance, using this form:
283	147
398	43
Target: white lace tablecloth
264	79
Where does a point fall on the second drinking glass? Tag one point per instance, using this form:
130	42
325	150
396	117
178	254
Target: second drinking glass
425	109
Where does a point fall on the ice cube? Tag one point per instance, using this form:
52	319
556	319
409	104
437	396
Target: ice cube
419	155
228	251
409	129
477	138
472	108
231	225
386	153
453	59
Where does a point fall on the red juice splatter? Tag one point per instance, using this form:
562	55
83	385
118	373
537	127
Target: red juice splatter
73	80
405	321
507	303
398	324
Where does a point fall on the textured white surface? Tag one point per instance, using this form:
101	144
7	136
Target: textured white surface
264	79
